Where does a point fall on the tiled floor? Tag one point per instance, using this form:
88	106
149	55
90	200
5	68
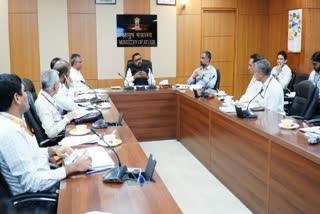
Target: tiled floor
193	187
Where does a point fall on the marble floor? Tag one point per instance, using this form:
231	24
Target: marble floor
193	187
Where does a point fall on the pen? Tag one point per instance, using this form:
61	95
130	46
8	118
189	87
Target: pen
89	172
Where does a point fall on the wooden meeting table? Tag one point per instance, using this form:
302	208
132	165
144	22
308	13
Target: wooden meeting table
271	170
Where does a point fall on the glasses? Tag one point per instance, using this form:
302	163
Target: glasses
315	63
136	60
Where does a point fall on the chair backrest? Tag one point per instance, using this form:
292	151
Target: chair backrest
218	80
299	78
305	101
145	62
290	84
33	121
29	86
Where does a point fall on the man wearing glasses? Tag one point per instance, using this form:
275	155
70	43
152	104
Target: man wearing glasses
315	74
138	73
254	85
206	75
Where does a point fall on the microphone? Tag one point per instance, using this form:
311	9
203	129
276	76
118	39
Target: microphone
95	99
151	86
127	88
261	90
116	174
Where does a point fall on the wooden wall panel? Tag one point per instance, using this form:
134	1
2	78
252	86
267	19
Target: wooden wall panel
24	39
22	6
81	6
294	182
188	45
253	7
219	3
82	40
192	8
136	7
222	23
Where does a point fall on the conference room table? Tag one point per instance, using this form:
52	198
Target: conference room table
271	170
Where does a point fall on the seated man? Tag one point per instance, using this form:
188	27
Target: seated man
75	74
65	96
46	107
23	164
315	74
139	74
254	85
206	75
271	97
281	71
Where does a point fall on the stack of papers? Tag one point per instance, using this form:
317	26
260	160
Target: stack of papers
82	112
227	109
78	140
100	159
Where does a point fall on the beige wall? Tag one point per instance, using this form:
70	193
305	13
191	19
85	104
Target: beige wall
53	31
4	38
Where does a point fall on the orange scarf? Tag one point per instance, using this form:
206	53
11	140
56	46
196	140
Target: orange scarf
21	123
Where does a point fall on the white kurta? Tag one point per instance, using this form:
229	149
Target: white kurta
130	78
49	115
272	97
315	78
76	77
253	89
284	76
65	98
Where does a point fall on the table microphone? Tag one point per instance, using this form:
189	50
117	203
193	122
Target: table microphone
126	88
115	175
95	99
247	110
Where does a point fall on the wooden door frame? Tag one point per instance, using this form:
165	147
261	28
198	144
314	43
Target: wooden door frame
235	10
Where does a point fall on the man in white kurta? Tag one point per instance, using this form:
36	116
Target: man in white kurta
315	74
50	116
271	97
75	74
281	71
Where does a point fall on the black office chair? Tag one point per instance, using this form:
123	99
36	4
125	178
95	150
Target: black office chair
33	122
299	78
46	201
290	84
305	102
145	62
217	86
28	84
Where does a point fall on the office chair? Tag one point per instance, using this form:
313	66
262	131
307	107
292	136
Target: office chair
290	84
145	62
33	122
217	86
305	102
46	201
299	78
28	84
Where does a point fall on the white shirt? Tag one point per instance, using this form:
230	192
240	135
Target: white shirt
65	98
208	78
76	77
130	78
253	89
272	97
50	117
284	76
315	78
24	165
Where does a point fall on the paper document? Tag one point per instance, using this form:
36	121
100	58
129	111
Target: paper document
82	112
100	157
227	109
78	140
